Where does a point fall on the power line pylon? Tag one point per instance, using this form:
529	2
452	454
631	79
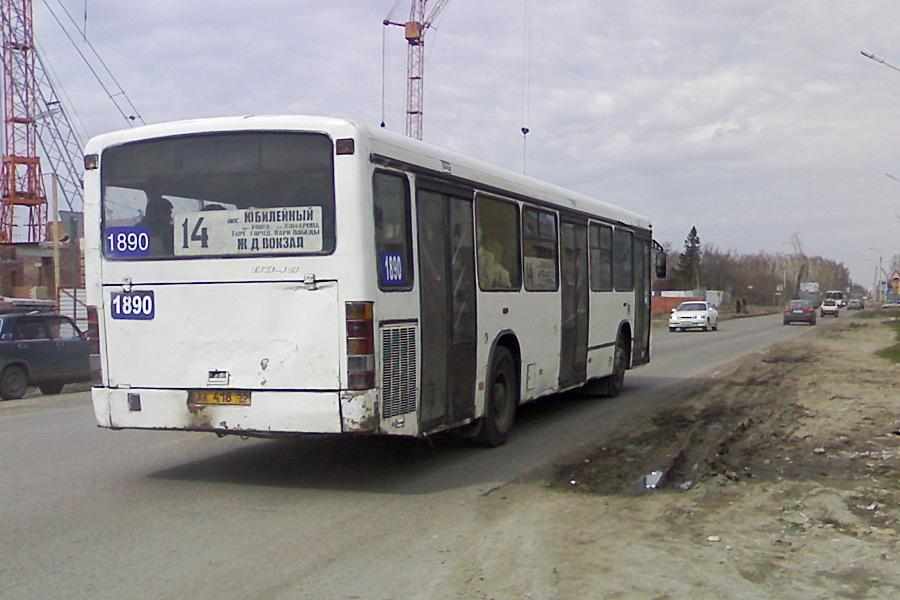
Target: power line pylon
21	172
415	30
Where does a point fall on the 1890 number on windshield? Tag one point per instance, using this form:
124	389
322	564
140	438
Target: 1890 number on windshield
138	305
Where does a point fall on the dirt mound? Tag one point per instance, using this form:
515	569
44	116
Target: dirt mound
767	419
779	478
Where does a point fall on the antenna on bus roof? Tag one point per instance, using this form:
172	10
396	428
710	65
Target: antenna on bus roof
526	80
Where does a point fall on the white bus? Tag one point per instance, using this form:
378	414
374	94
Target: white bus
837	296
269	276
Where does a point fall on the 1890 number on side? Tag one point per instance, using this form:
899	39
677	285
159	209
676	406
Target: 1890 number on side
137	305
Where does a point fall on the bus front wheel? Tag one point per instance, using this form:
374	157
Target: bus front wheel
611	385
500	401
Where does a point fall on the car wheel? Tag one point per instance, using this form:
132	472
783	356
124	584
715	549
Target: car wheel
672	329
715	326
50	389
13	383
706	327
501	401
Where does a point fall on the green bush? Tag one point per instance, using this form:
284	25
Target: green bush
892	352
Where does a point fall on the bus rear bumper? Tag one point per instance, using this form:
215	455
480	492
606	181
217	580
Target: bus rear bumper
269	413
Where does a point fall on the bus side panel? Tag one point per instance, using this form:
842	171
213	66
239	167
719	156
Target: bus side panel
608	311
534	317
91	241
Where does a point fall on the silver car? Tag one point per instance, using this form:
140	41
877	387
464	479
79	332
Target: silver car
694	315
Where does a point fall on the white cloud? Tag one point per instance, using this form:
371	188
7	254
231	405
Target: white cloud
761	117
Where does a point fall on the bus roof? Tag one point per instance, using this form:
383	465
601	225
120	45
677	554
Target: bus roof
389	145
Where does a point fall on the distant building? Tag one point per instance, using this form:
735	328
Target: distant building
27	269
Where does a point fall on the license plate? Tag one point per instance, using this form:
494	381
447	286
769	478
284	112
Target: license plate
220	397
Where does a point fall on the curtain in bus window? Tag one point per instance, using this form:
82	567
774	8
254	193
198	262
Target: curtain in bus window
539	247
222	194
497	226
392	231
601	258
622	253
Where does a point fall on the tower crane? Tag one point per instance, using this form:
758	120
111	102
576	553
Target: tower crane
420	20
34	118
21	171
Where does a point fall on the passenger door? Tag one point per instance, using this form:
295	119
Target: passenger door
447	300
575	305
642	288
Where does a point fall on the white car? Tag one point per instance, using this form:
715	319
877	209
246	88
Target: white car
829	307
694	315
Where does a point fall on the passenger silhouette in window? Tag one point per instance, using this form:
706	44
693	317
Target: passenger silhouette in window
494	274
158	220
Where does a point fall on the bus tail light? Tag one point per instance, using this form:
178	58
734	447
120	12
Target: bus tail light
360	346
93	336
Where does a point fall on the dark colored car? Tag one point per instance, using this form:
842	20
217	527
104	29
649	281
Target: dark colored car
42	349
799	311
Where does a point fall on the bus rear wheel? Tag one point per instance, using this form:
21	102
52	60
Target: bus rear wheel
501	401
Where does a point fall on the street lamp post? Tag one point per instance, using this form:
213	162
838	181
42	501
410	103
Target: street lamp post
878	271
878	59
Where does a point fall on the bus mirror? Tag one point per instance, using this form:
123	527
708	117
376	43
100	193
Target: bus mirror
660	265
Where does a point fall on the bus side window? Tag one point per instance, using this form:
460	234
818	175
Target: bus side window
540	248
623	250
499	265
601	258
393	247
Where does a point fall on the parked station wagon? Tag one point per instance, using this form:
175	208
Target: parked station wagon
42	349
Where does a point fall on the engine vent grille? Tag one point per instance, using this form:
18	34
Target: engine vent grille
398	376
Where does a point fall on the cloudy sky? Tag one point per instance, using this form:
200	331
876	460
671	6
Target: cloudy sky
751	120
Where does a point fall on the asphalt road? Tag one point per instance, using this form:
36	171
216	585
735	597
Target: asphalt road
91	513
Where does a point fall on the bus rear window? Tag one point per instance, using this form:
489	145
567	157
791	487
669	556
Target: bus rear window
229	194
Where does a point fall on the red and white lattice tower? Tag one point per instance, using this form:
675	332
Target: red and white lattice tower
415	30
22	190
